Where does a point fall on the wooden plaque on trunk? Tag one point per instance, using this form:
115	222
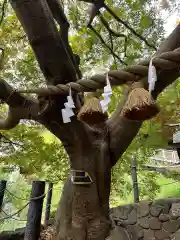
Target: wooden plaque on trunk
80	177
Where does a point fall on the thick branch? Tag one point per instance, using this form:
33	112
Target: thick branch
94	10
121	128
51	48
11	121
39	25
19	106
60	17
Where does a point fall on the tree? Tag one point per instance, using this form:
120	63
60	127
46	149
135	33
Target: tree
83	211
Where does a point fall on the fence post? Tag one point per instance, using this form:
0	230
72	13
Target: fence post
2	191
135	182
48	204
33	225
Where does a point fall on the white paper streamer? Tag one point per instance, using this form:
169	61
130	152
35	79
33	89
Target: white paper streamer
152	76
70	102
65	116
107	95
67	112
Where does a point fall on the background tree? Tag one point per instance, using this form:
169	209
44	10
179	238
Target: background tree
84	210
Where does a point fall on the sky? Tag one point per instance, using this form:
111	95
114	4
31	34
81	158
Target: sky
170	22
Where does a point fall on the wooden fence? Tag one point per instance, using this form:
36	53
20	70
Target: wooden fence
35	203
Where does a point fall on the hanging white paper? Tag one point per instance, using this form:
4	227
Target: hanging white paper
106	98
65	116
107	95
69	110
152	76
70	99
104	105
104	108
70	102
107	88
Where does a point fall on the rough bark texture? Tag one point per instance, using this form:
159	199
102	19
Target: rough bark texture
83	210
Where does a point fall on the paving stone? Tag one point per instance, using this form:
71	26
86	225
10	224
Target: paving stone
166	207
119	233
175	210
163	202
164	217
154	223
149	235
132	218
144	222
139	231
176	235
171	226
155	210
161	234
143	208
122	212
171	217
131	232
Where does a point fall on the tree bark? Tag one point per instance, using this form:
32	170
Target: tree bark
84	209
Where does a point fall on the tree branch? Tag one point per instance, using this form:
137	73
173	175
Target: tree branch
102	40
45	40
19	106
9	141
121	128
60	17
47	43
129	27
94	10
98	4
113	33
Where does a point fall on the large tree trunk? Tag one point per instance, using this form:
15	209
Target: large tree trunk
84	209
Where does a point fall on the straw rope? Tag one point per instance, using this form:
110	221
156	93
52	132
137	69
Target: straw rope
166	61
